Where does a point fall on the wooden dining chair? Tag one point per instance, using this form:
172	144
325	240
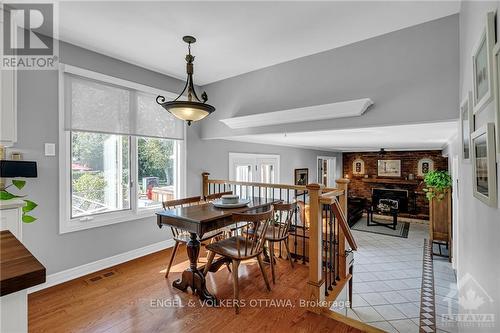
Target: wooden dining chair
181	236
249	244
278	231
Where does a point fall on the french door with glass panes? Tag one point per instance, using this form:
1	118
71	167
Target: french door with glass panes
255	168
327	170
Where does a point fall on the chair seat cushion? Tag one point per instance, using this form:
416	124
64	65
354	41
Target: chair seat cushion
229	248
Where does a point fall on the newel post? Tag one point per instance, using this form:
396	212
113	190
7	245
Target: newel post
342	184
316	283
204	184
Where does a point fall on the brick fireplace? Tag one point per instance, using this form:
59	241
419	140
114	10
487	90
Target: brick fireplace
364	185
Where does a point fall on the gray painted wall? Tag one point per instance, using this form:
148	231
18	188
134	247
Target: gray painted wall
410	74
478	224
38	124
213	156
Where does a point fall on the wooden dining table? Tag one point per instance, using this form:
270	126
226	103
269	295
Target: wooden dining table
197	220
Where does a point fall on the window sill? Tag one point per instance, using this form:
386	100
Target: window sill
106	219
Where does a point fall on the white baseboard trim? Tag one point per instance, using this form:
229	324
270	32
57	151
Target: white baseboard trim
91	267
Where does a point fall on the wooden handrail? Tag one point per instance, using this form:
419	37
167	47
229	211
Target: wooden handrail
330	197
272	185
268	185
339	214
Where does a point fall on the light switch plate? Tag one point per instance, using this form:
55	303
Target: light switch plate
50	149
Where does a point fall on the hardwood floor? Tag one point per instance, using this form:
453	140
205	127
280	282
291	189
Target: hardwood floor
138	298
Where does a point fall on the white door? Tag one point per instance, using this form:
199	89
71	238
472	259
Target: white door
256	168
327	170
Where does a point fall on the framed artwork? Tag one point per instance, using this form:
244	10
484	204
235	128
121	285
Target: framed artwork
302	176
484	170
358	167
466	126
389	168
496	64
482	65
424	165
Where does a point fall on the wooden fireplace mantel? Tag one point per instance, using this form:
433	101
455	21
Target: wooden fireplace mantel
391	181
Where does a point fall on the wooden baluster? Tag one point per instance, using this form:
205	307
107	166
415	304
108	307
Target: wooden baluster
204	178
324	241
331	248
304	232
316	283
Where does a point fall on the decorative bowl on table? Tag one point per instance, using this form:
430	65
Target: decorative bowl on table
230	201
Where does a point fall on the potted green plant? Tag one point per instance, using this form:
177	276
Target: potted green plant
437	183
28	207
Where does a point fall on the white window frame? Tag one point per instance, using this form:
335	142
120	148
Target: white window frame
68	224
255	158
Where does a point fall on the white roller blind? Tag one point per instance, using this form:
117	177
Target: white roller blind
97	106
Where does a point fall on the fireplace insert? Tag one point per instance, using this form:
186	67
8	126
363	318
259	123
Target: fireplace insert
399	196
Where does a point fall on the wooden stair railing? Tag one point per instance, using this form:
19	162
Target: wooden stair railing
329	237
319	236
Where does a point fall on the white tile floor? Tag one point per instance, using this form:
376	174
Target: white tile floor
387	281
445	286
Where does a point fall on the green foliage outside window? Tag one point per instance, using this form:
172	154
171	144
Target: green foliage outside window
90	186
155	159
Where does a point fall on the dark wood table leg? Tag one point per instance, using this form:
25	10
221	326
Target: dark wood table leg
394	218
193	277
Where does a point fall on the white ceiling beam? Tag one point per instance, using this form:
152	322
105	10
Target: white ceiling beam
353	108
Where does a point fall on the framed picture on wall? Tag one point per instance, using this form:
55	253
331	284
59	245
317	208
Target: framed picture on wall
301	178
466	126
358	167
389	168
424	165
484	170
496	63
482	65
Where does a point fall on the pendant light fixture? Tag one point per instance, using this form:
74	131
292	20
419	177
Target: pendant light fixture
193	109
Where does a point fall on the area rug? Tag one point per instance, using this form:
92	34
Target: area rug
402	228
427	302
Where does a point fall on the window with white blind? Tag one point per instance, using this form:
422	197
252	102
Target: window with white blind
121	154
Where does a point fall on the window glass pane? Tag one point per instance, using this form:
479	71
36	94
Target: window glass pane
99	173
156	171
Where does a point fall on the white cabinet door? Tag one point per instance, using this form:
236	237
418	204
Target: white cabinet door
8	112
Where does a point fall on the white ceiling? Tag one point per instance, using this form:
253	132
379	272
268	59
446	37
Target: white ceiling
233	37
401	137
